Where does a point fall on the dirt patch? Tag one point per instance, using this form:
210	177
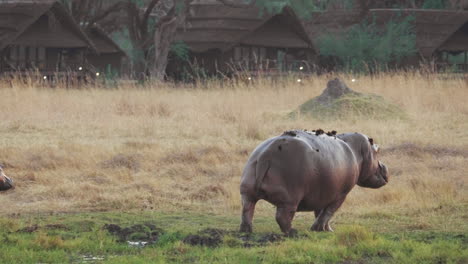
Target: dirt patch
209	237
432	236
130	162
56	226
338	101
29	229
415	150
270	238
148	233
214	237
34	228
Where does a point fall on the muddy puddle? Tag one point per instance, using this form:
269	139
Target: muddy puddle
142	235
139	235
91	259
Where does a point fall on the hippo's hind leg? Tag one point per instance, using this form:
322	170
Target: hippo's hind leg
323	218
248	208
284	217
317	213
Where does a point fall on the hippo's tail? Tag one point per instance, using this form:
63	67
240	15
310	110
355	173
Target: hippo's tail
263	164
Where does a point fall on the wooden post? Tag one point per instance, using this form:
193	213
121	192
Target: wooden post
41	57
22	56
465	66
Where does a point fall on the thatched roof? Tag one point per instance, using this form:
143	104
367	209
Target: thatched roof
435	29
335	22
212	25
102	41
16	16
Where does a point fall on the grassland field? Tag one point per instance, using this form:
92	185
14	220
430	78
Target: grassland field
98	166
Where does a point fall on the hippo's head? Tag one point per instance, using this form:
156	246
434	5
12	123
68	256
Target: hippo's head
5	182
374	174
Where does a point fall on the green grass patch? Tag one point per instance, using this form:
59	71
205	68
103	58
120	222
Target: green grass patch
174	238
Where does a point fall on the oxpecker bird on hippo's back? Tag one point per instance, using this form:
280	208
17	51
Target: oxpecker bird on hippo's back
5	182
308	171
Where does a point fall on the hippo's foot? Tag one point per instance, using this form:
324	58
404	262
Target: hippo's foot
245	228
292	233
321	227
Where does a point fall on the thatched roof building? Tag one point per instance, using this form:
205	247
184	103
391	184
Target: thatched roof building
223	38
39	35
212	25
436	30
335	22
109	56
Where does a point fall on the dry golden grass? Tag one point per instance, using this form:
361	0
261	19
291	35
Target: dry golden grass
175	148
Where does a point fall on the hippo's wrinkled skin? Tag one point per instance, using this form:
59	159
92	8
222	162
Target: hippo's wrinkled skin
304	171
5	182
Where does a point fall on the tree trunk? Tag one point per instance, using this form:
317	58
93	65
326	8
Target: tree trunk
163	37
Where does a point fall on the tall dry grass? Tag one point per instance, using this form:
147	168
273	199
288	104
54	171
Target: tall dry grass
172	148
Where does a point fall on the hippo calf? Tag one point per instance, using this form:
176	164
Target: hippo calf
305	171
5	182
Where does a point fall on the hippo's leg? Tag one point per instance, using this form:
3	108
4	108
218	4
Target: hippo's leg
322	221
284	217
317	213
327	227
248	208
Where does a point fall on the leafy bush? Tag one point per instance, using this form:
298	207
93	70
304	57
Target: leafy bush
180	50
367	47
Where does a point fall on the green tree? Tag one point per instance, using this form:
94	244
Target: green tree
367	46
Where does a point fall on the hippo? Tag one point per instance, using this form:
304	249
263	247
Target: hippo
5	182
308	171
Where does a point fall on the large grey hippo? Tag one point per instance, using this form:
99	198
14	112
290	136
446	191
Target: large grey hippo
5	182
308	171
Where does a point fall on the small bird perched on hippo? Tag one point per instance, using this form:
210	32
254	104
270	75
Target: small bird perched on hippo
308	171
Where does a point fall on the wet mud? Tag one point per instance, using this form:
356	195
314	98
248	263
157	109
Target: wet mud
214	237
34	228
147	234
209	237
